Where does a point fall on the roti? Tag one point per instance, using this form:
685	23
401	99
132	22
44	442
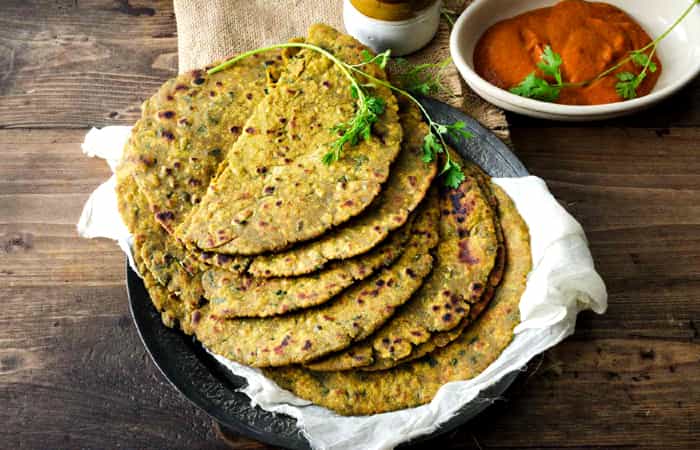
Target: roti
407	185
233	295
466	265
165	259
140	222
416	382
437	340
309	334
443	338
274	190
185	130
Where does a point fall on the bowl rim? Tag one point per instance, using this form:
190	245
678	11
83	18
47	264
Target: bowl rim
471	77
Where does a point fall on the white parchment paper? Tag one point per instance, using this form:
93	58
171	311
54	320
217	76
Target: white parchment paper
563	282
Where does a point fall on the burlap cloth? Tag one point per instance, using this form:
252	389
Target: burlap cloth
210	30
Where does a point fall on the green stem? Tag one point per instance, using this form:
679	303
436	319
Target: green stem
447	14
642	74
342	65
432	124
628	58
346	69
668	31
386	84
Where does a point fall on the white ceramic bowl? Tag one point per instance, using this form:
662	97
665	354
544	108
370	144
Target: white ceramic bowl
679	53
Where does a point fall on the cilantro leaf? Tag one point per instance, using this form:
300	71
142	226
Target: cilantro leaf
452	173
626	76
383	58
550	64
628	84
459	130
330	157
380	59
641	59
358	128
431	147
375	105
536	88
425	79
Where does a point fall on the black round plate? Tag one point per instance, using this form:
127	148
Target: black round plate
208	385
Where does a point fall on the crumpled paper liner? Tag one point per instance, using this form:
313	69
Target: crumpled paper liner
562	283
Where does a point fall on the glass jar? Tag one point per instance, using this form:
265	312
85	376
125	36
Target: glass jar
404	26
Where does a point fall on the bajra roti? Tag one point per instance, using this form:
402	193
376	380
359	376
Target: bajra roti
274	190
437	340
408	183
157	253
312	333
232	295
466	262
416	383
172	310
231	263
363	357
172	153
142	225
443	338
186	129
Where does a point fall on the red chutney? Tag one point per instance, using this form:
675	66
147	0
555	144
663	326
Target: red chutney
590	37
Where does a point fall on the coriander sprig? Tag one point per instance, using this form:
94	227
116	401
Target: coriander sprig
449	15
425	79
434	142
380	59
628	82
538	88
357	128
369	108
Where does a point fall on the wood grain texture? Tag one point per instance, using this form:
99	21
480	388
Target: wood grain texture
73	373
72	64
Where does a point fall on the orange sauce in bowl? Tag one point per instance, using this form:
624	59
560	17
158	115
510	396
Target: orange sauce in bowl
590	37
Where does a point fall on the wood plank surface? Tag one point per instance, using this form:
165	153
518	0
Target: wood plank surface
72	64
73	373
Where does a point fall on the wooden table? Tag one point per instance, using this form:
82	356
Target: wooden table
73	373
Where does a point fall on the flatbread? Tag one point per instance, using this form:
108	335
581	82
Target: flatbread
352	316
131	213
443	338
173	312
408	183
186	129
231	295
274	190
140	222
466	263
437	340
416	383
160	254
230	263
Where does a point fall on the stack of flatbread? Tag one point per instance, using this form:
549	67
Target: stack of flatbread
361	285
